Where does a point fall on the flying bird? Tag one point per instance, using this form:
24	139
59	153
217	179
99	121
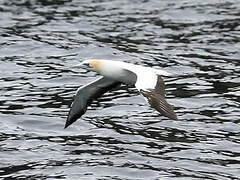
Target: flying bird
147	80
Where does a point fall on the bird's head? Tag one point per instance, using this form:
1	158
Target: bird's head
93	64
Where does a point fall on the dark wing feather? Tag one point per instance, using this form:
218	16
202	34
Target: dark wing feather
156	98
86	94
159	103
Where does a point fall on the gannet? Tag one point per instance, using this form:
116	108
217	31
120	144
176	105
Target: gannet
147	80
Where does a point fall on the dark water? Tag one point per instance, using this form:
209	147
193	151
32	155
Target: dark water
119	137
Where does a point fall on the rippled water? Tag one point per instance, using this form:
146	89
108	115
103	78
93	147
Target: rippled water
119	137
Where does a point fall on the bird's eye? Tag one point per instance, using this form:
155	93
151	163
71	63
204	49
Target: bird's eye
88	65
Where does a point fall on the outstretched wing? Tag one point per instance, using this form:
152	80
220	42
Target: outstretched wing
86	94
156	98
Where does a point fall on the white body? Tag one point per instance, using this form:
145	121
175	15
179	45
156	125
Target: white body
146	76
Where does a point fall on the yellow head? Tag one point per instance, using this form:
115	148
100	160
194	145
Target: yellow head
94	64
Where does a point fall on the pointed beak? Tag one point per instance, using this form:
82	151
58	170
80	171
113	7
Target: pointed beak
81	64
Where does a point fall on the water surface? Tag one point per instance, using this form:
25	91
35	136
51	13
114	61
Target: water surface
119	137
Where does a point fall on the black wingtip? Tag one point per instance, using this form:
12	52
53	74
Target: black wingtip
174	117
170	113
68	123
73	116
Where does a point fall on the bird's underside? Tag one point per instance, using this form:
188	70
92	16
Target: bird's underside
86	94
